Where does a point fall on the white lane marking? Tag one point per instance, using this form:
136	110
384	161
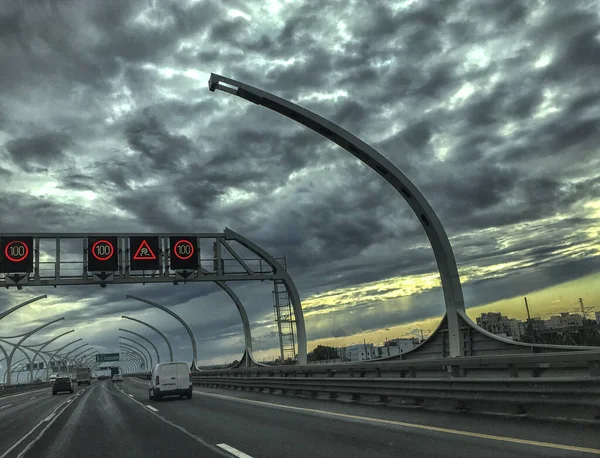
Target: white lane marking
138	382
234	451
22	394
32	398
55	414
458	432
130	395
49	417
16	444
6	406
180	428
152	408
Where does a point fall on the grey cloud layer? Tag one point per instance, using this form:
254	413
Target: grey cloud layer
490	108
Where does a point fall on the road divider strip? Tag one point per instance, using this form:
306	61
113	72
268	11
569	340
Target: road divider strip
457	432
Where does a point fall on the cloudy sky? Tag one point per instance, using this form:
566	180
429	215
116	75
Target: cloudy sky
489	107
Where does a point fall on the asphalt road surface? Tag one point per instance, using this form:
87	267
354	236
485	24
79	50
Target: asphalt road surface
106	420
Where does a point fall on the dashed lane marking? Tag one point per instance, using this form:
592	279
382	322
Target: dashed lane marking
234	451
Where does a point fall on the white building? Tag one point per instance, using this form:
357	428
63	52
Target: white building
395	347
361	352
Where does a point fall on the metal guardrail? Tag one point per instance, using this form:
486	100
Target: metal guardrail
522	382
586	363
5	390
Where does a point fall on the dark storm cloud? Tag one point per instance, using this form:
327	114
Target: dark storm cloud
39	151
102	100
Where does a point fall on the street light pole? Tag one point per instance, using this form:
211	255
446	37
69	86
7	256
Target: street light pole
155	330
178	318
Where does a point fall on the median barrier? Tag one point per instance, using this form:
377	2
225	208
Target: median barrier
6	390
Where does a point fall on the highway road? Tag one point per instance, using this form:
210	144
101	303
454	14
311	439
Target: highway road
106	420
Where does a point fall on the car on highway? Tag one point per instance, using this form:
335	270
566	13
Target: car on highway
117	378
170	379
62	384
53	377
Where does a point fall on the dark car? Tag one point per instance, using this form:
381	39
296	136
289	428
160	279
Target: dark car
62	384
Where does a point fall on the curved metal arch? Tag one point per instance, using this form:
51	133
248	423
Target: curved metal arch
4	353
24	338
128	349
147	340
178	318
66	355
242	311
140	346
82	354
54	353
9	367
131	348
15	364
132	351
279	273
440	243
22	304
45	344
155	330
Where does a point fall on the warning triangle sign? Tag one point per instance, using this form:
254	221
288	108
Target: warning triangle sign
144	252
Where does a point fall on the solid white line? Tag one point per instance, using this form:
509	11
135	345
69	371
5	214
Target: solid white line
4	407
152	408
234	451
130	395
138	382
16	444
457	432
49	417
50	423
32	398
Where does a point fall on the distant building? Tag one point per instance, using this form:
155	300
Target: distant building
361	352
395	347
597	317
566	320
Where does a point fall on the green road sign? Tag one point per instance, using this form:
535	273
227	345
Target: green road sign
105	357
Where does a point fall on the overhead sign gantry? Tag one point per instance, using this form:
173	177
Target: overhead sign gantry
128	258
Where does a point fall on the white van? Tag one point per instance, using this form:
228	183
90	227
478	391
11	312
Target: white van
170	379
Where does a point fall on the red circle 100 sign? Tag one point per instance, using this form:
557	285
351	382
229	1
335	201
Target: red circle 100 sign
102	250
16	251
183	249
